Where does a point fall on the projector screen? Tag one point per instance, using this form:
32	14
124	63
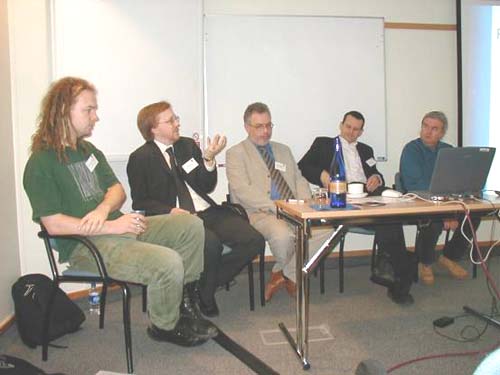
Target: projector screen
480	27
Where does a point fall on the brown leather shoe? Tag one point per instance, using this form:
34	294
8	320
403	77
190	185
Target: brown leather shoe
291	288
276	282
452	267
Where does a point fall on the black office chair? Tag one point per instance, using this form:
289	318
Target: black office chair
75	276
251	285
262	257
357	230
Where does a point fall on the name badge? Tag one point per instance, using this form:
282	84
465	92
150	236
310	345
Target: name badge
371	162
91	163
189	165
280	166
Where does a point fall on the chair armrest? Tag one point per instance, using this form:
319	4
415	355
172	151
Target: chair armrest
88	244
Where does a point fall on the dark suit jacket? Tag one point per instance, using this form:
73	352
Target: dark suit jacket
152	185
320	155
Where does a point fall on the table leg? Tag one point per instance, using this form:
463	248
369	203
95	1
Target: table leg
300	345
304	266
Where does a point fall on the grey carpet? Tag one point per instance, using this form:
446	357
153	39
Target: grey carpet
346	328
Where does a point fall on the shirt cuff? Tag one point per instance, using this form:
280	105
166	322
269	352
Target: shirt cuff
210	165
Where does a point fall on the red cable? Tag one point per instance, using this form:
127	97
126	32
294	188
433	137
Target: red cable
444	355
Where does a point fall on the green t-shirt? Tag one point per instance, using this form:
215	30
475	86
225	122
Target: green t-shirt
72	188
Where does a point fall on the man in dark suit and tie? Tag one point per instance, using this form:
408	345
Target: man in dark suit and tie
169	174
361	166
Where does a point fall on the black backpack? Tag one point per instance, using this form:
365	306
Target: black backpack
16	366
31	294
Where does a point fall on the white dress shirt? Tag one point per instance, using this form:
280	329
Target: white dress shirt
353	164
200	204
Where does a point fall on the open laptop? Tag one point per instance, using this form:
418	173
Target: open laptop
459	172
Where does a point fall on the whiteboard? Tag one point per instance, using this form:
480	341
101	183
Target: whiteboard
309	70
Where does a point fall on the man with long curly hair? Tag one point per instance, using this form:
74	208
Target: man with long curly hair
73	191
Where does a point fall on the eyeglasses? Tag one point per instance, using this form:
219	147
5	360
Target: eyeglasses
172	120
260	127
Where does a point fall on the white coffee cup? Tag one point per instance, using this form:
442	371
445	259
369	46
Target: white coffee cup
355	188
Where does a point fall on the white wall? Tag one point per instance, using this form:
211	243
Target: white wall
420	76
30	77
10	269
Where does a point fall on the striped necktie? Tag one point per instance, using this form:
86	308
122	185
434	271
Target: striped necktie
276	177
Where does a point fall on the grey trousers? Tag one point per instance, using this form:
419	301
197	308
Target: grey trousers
166	256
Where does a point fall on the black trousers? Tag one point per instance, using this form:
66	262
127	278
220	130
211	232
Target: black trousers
224	227
455	249
391	240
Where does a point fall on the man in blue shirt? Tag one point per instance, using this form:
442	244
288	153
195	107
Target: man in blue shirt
416	167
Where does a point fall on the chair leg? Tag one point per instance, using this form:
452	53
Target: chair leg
341	264
251	286
126	327
46	323
102	307
415	279
374	254
262	281
144	298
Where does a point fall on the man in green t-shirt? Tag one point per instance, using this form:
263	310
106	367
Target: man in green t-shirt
73	190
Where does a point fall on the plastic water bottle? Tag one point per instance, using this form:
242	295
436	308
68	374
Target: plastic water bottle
94	300
338	185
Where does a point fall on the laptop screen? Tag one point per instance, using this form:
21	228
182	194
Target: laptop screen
461	170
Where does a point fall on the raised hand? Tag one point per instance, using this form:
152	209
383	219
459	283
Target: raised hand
214	146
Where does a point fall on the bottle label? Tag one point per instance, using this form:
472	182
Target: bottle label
338	187
94	298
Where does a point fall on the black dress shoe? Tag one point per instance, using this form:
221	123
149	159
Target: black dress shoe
210	311
182	334
400	299
190	309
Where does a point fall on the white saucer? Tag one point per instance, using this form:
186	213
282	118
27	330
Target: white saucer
360	195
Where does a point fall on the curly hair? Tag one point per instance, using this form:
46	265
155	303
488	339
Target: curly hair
54	121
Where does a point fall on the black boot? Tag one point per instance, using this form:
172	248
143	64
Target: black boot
182	334
189	309
210	310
